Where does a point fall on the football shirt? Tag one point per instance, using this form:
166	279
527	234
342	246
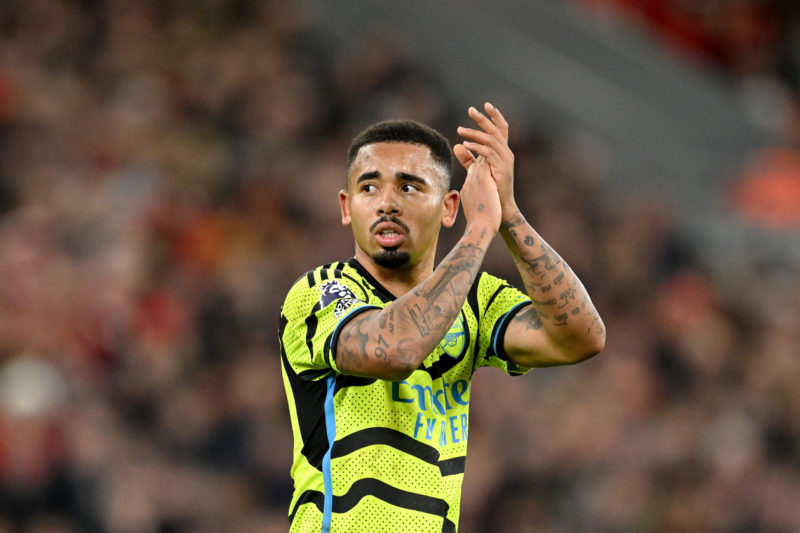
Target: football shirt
374	455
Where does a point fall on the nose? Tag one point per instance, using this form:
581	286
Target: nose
389	203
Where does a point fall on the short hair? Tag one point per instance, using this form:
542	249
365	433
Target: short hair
406	131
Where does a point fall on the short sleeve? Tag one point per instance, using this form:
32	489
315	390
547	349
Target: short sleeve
312	317
498	302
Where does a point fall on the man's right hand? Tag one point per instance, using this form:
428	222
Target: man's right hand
479	197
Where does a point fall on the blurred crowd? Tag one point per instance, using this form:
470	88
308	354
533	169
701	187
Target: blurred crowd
754	48
168	169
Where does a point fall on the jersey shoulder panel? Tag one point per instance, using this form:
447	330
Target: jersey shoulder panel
314	309
497	301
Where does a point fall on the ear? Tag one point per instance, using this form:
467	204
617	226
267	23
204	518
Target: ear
344	205
450	208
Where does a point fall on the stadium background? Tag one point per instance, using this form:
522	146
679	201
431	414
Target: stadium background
168	168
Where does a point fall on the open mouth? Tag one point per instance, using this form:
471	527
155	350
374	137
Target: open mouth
389	238
389	232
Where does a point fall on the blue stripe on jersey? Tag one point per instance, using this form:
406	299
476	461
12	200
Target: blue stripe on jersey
501	326
330	424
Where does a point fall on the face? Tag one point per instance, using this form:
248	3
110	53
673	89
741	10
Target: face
396	204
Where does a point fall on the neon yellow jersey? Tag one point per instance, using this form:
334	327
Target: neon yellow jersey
373	455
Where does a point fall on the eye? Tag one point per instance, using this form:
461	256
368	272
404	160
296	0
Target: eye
368	187
408	187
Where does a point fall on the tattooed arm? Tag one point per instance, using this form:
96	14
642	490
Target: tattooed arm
562	309
392	342
562	326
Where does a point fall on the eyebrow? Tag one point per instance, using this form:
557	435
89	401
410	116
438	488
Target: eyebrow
368	176
400	175
411	177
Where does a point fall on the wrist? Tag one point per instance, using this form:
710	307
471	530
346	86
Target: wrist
511	215
480	230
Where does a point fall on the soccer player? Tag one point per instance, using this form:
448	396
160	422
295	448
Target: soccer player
378	350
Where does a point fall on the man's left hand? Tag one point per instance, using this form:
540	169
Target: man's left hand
490	143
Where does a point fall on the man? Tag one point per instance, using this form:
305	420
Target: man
378	351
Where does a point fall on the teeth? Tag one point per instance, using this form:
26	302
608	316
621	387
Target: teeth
388	233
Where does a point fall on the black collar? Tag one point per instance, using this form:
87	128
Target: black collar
380	291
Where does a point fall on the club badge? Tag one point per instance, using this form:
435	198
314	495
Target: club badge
455	342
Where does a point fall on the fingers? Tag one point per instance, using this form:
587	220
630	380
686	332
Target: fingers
494	124
493	138
477	166
480	149
464	156
498	119
480	163
477	136
479	174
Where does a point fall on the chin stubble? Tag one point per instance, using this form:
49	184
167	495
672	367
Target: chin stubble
391	258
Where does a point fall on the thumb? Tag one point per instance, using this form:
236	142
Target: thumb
464	156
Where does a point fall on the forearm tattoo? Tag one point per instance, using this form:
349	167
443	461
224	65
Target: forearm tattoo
558	296
412	326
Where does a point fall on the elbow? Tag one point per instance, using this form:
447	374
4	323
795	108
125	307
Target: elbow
568	353
588	347
393	367
579	348
397	368
590	352
403	360
395	375
387	370
590	344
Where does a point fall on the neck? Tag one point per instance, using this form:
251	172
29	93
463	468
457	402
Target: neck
401	280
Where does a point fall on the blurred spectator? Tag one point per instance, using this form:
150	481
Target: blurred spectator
768	194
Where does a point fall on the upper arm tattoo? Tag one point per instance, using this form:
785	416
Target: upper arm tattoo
529	317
